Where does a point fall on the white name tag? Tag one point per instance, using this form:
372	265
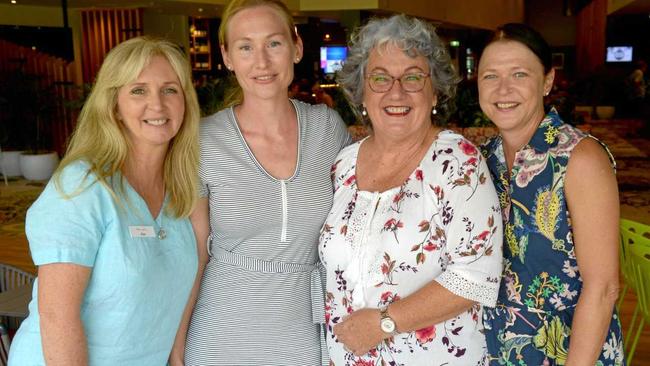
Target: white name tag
142	232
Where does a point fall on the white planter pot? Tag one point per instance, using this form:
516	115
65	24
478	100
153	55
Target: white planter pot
10	163
38	166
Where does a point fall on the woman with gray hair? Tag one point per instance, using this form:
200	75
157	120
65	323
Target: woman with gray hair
412	245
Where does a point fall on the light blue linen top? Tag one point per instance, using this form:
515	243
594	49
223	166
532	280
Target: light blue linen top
138	287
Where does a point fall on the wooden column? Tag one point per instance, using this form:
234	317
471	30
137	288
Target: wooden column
102	30
591	23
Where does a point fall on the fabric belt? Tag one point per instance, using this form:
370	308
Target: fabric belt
317	279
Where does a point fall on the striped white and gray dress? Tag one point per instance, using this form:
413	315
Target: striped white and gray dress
261	297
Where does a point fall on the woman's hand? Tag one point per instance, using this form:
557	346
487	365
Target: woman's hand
360	332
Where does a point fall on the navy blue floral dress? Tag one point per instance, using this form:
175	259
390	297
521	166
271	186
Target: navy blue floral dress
531	323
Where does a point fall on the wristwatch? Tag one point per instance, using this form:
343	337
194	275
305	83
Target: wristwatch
386	323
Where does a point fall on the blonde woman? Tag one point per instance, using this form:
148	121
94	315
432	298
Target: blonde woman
266	189
110	234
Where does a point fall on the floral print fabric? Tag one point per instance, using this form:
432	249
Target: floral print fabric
531	323
441	224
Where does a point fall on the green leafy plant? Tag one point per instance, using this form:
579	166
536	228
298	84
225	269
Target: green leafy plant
211	96
28	109
468	111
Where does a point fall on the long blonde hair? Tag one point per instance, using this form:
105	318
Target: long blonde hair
99	140
234	94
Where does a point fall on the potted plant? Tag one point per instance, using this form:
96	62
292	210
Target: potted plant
29	111
468	116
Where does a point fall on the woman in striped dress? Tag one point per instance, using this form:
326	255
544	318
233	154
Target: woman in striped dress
266	187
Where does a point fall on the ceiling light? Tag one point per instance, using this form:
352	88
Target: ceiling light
13	1
200	10
454	43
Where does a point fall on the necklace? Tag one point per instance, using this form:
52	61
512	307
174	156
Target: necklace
162	234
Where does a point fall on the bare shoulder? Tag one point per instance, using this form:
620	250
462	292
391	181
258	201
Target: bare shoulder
589	158
590	176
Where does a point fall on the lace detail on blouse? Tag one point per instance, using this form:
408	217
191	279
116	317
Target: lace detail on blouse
364	268
483	293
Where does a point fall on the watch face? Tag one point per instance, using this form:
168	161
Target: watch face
387	325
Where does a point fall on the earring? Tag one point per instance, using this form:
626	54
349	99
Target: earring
434	111
546	94
364	112
297	59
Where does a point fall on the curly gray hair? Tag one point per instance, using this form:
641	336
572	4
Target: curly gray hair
415	37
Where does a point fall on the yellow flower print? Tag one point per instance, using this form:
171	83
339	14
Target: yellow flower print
511	239
547	209
550	134
550	340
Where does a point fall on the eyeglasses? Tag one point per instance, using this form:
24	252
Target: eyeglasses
411	82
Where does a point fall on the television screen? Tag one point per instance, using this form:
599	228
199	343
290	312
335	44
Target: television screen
331	58
619	54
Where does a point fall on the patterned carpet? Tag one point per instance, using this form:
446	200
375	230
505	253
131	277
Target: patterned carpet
15	199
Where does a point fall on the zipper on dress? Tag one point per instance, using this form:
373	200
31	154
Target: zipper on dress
283	234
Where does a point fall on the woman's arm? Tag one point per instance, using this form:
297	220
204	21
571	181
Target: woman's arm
61	288
201	224
592	198
360	331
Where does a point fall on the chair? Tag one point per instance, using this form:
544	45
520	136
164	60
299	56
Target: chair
628	229
12	277
636	227
639	265
4	345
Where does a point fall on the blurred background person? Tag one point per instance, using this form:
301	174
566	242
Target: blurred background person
412	245
110	234
321	96
636	87
557	187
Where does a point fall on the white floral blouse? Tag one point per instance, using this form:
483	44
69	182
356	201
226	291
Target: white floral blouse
443	223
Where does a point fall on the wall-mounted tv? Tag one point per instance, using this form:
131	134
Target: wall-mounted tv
331	58
619	54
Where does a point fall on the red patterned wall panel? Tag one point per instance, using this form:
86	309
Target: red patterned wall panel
102	30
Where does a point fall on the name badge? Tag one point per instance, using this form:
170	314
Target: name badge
142	232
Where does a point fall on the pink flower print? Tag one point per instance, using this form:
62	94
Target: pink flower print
483	235
419	175
350	180
386	296
429	247
361	362
471	161
398	197
425	335
384	268
392	225
334	166
467	147
440	194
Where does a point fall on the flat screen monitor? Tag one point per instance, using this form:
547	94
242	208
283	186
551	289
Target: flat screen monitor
331	58
619	54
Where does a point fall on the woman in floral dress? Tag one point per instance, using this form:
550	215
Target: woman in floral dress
412	245
559	200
